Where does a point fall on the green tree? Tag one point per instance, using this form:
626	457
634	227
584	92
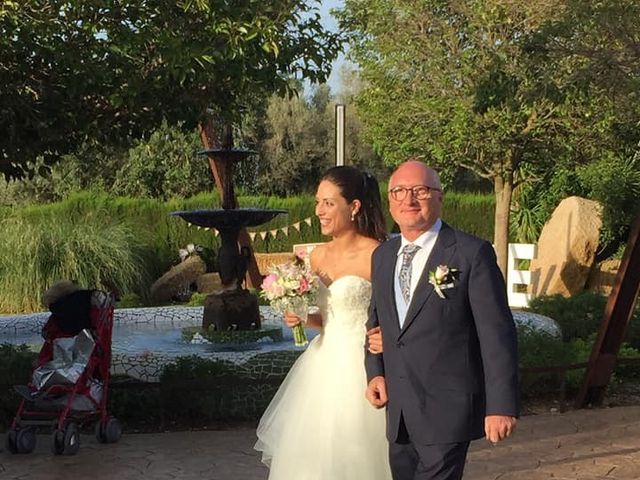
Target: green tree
164	166
77	69
295	149
476	84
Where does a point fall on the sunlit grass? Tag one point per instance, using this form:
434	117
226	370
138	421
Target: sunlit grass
90	249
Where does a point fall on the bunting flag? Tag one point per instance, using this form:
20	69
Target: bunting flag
274	233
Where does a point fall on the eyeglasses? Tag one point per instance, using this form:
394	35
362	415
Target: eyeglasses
419	192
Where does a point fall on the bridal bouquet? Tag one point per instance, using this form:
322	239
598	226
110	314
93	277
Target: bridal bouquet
291	287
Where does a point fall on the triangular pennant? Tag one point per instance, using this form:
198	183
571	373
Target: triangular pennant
263	235
308	221
252	236
215	233
273	232
285	230
296	226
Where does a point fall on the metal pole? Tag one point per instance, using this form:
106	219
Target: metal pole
340	109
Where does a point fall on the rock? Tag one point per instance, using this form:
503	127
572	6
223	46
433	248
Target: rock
178	279
537	322
603	276
209	283
566	248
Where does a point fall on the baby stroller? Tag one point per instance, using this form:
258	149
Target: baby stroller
70	384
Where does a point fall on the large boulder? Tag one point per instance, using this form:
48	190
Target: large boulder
603	276
567	248
178	279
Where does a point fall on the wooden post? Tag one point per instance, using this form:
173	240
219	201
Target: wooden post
218	170
616	317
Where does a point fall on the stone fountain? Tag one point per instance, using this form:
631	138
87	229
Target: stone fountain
234	307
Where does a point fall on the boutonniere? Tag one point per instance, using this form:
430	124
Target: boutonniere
442	279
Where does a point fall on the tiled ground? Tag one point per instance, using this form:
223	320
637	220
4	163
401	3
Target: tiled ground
585	445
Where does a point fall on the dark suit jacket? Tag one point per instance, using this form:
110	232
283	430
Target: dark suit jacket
455	359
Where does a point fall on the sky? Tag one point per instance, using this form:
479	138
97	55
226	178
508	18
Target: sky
329	22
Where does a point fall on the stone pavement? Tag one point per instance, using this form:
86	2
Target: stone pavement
584	445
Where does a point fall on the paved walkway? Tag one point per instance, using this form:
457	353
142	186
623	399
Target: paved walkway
584	445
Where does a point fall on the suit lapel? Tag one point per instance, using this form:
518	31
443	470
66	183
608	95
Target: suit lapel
440	255
388	270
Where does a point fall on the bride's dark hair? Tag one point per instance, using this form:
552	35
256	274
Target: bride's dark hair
356	184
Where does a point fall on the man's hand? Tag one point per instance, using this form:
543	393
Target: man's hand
374	340
497	427
377	392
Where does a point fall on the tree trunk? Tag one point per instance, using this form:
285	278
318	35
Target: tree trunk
503	188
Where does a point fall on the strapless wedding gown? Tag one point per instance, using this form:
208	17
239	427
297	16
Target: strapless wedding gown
319	425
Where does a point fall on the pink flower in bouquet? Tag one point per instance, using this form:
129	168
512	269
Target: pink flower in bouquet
305	285
268	281
271	286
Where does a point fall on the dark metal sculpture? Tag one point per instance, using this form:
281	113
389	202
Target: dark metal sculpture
234	308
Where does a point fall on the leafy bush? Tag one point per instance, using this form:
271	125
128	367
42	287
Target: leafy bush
16	365
540	349
164	166
193	391
580	316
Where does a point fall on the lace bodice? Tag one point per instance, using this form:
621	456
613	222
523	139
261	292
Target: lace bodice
344	306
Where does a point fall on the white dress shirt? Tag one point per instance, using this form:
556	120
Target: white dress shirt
426	241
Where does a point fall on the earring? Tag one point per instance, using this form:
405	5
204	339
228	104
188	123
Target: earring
353	216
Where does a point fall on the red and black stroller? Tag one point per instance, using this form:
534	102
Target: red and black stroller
69	386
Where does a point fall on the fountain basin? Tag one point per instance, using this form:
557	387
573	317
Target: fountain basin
145	340
226	219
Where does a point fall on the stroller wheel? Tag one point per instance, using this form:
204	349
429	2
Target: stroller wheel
67	441
109	432
71	439
26	440
11	441
57	442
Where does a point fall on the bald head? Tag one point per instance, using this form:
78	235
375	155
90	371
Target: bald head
420	171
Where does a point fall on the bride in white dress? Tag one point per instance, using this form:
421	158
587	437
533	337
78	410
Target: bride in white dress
319	425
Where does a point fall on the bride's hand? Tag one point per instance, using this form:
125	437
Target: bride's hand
291	319
374	340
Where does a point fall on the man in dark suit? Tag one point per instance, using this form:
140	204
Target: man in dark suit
448	371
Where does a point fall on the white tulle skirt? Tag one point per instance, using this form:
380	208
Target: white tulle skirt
319	425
